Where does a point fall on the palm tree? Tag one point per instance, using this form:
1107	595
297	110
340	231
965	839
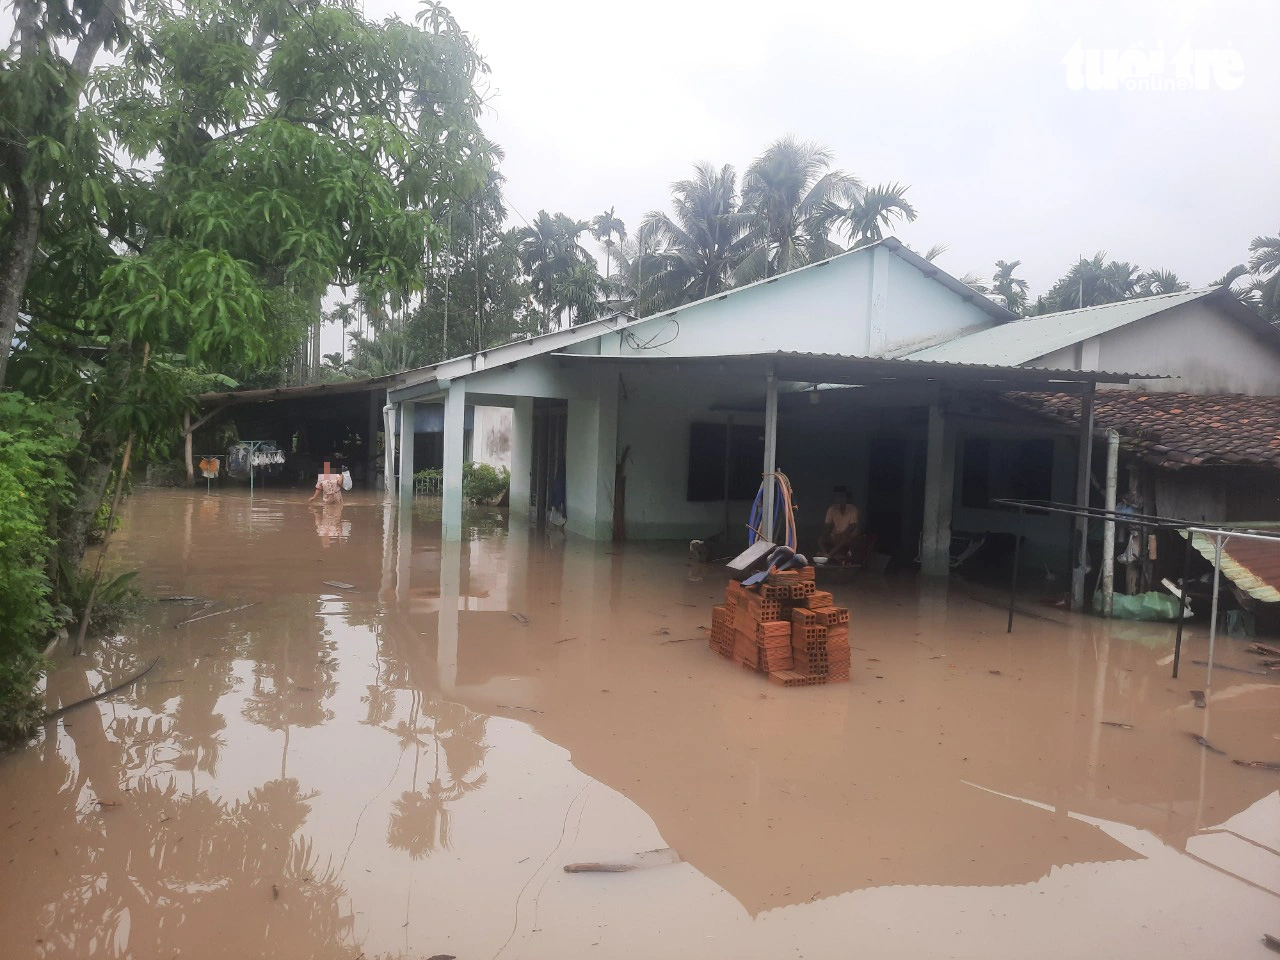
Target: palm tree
579	292
604	227
1012	290
695	250
549	250
784	192
1264	264
864	215
1155	282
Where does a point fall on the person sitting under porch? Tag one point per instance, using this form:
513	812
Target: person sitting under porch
842	539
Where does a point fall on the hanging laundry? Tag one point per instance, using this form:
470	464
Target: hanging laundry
209	467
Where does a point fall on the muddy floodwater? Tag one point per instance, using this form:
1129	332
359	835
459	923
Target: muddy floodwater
360	742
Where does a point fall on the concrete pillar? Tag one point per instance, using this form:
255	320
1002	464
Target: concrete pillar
455	401
521	455
590	455
939	480
447	622
770	451
407	408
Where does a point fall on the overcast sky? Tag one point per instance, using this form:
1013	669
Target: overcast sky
601	104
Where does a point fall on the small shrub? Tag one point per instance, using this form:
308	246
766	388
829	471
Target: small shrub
21	705
481	483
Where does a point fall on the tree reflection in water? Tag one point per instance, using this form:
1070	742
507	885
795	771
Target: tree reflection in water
420	818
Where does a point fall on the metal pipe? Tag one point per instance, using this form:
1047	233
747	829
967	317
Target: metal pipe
1213	612
1182	604
1084	467
1109	525
770	452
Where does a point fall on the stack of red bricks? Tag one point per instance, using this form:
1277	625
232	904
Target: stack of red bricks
784	627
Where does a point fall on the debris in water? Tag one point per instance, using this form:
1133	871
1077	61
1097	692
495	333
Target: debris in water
520	617
218	613
1272	942
339	585
650	858
661	632
566	639
505	706
995	673
1260	764
275	892
681	640
1223	666
1263	649
1206	744
1198	697
179	599
1116	723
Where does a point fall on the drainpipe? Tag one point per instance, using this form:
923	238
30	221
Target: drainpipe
1109	525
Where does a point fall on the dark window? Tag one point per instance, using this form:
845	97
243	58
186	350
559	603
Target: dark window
996	468
707	461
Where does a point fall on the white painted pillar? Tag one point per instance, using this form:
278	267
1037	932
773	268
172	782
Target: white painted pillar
455	401
939	480
407	408
521	455
770	450
447	622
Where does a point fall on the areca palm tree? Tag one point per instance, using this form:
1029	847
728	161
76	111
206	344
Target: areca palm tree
696	248
866	213
549	250
579	292
604	227
784	192
1155	282
1009	288
1264	264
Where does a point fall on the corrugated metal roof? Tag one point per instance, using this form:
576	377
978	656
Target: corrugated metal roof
1252	565
801	367
1022	341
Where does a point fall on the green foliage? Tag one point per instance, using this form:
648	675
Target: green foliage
482	483
34	442
114	600
21	705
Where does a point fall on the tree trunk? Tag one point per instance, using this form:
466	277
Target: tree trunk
15	261
186	437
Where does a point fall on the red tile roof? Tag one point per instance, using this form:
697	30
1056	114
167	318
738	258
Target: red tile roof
1177	429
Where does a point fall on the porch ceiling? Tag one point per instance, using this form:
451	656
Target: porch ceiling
837	368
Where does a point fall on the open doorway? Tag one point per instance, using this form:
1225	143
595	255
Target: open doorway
547	476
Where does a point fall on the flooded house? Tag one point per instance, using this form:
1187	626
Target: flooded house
873	370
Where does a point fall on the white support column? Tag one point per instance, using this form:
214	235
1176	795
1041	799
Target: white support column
521	455
407	408
447	624
455	401
770	450
940	465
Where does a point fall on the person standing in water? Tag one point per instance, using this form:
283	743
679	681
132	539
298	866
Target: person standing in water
328	487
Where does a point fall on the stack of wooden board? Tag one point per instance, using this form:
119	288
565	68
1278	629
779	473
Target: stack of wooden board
784	627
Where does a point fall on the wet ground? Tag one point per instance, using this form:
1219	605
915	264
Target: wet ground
358	741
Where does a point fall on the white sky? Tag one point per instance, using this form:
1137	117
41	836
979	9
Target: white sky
601	104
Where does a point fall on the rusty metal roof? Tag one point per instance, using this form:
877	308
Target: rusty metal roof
1252	565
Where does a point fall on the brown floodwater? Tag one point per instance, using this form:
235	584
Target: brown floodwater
359	741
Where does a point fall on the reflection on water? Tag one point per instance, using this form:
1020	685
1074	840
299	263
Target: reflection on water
392	745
